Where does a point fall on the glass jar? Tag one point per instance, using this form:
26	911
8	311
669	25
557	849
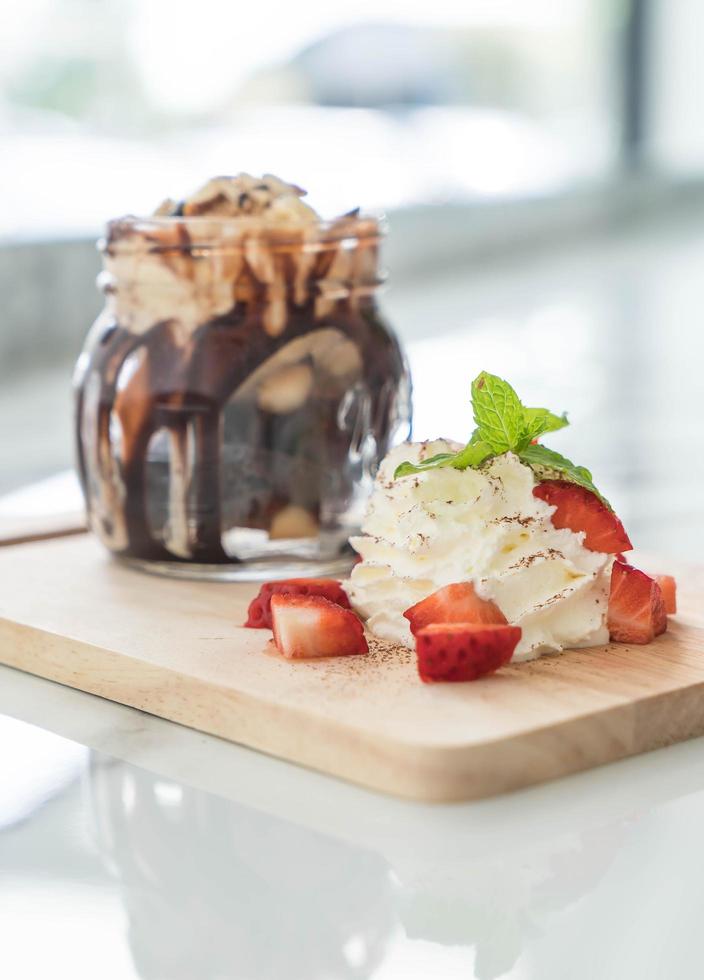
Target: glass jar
236	394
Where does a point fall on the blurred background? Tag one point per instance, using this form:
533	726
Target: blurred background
542	166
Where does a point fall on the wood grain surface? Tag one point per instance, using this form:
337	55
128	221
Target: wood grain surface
175	649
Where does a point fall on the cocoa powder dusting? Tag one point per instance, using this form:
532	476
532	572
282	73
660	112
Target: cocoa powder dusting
386	651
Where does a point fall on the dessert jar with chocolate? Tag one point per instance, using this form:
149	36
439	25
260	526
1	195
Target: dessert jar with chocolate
236	394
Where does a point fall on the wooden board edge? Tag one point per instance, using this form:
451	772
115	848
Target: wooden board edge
40	532
410	771
318	743
622	731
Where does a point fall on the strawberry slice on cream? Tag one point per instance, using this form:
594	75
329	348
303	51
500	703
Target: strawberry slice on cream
458	603
581	510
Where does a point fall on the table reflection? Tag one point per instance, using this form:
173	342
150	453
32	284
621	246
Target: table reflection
267	871
214	889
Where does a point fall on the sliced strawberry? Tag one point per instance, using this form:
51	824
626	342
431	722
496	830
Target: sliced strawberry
312	626
581	510
259	612
458	603
463	651
636	606
668	587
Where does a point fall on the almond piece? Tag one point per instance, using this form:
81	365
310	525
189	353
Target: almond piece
286	390
293	521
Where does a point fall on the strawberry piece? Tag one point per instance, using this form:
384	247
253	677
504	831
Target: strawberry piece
312	626
581	510
636	606
668	587
259	612
458	603
463	651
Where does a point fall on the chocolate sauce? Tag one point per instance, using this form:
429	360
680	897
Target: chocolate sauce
269	416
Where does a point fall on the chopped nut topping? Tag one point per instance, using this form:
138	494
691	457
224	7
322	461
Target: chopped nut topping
267	197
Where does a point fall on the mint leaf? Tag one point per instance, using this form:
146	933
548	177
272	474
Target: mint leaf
541	420
433	462
498	413
549	465
473	454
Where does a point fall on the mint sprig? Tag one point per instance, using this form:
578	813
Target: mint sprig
504	424
472	456
498	413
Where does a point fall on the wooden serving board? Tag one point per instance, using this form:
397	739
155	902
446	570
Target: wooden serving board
175	649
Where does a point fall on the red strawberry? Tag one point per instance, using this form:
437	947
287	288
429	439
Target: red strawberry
668	587
259	612
636	607
581	510
458	603
312	626
463	651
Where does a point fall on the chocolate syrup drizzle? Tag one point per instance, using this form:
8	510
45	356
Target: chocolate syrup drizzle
132	385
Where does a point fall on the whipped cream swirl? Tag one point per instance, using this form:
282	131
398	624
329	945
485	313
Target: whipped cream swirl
483	526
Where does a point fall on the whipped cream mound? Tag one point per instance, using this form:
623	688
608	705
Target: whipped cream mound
431	529
268	198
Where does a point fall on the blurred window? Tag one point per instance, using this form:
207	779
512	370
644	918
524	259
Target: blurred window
108	106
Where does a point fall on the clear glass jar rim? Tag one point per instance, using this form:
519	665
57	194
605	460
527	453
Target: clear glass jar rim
218	233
